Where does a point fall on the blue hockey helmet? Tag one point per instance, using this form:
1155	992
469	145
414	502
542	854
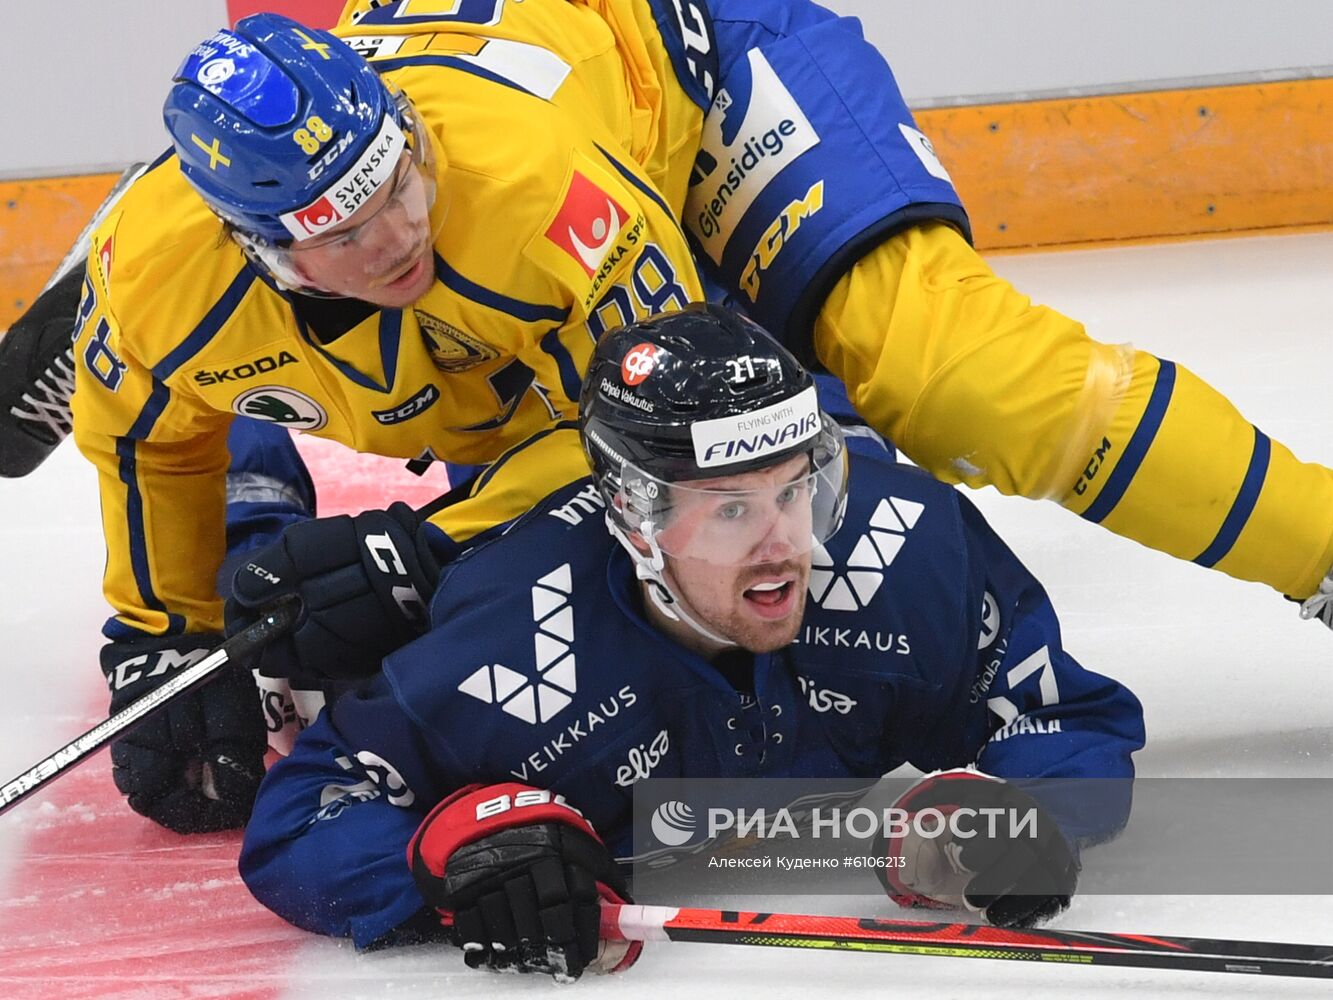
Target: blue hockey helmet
285	131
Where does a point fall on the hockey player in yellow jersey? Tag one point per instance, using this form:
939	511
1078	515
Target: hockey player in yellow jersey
407	235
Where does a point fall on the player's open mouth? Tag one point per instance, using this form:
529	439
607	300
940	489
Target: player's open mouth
408	277
772	598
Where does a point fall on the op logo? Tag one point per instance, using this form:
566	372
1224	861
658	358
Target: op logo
638	364
276	404
990	621
587	224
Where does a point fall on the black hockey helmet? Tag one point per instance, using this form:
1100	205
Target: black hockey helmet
703	394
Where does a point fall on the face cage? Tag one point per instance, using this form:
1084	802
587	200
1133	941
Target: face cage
277	260
738	527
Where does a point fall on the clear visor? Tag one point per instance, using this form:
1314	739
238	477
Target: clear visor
379	242
776	513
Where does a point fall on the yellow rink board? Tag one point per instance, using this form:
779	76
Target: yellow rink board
1141	166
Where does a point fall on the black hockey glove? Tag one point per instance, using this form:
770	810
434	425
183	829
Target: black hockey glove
523	876
195	764
1016	881
363	581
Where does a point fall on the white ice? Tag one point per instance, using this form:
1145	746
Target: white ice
1232	682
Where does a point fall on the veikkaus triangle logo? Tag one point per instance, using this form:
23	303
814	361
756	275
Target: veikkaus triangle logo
540	699
852	587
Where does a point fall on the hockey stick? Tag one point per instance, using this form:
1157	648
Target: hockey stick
909	937
83	243
37	355
277	620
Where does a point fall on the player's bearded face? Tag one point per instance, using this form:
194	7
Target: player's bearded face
746	566
383	254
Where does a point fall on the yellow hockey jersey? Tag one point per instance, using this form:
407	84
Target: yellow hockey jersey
556	119
177	334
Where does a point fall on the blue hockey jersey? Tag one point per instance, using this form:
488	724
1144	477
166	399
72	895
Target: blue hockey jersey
925	641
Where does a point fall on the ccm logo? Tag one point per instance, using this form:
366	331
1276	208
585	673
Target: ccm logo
388	561
696	32
262	573
136	668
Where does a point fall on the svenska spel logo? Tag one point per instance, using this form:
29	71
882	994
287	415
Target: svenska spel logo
105	255
587	224
318	217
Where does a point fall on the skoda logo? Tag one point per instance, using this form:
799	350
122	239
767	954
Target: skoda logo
277	404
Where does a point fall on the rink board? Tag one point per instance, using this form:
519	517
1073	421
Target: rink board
1148	165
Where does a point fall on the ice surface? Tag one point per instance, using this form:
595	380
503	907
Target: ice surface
98	903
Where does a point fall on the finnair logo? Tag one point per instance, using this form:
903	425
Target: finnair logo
541	699
727	440
852	589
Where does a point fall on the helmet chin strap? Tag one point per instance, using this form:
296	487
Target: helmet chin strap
651	568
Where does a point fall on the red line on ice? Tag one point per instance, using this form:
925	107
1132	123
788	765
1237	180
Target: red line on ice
104	904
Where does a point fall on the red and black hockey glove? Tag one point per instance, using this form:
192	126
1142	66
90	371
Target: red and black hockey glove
986	846
523	876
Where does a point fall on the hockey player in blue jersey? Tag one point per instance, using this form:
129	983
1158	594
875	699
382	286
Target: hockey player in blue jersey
481	774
